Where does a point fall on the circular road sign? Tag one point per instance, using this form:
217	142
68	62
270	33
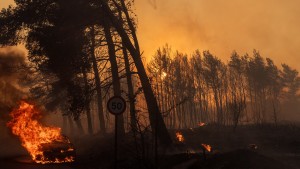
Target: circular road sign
116	105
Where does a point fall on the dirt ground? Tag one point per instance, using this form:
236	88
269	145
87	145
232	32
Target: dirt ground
277	147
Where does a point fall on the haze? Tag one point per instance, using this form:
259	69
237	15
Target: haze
270	26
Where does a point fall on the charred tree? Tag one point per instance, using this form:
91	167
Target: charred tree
115	74
79	126
154	113
87	97
97	82
71	126
133	118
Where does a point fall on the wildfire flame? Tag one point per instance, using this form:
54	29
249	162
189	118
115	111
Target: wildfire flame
179	137
34	136
206	147
201	124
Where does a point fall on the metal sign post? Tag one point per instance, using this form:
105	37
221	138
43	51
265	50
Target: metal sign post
116	105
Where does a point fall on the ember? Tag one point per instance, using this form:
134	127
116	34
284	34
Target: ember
44	144
201	124
179	137
206	147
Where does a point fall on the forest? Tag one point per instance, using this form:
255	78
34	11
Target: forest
249	89
81	53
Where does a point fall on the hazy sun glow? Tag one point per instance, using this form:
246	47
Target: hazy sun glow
270	26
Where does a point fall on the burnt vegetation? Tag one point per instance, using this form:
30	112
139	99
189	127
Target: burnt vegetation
80	53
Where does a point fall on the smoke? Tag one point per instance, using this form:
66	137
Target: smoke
269	26
10	93
10	61
153	3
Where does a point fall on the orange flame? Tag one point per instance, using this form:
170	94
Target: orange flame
34	136
201	124
179	137
206	147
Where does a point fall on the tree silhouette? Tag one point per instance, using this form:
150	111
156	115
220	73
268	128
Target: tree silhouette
57	36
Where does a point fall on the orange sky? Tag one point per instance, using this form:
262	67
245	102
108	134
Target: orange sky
270	26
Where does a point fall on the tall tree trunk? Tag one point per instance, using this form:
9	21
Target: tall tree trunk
65	122
115	74
131	27
98	84
79	126
154	113
87	100
71	131
133	118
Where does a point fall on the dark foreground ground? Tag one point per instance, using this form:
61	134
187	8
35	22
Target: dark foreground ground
277	148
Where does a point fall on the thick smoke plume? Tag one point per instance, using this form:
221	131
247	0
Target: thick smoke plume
11	61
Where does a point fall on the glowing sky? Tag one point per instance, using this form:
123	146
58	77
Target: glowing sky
5	3
270	26
221	26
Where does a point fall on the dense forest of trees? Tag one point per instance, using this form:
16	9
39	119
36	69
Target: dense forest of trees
202	88
83	52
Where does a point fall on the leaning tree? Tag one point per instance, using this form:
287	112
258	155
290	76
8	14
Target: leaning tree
54	34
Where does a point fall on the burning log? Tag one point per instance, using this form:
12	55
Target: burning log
205	147
44	144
